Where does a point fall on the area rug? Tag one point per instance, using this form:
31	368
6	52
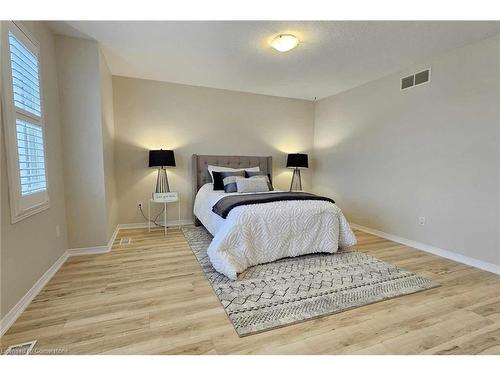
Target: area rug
292	290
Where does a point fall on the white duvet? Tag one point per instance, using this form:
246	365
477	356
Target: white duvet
261	233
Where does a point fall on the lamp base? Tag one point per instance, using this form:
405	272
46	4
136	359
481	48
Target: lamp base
162	185
296	183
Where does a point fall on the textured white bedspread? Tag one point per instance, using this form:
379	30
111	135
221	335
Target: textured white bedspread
262	233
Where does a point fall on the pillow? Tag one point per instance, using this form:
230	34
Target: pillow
217	180
219	177
254	184
251	174
216	168
229	180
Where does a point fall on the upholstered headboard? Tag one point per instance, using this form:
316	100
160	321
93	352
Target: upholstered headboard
200	163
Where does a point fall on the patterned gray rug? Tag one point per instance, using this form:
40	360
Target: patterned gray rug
292	290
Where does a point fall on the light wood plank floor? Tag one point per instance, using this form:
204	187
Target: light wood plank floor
152	297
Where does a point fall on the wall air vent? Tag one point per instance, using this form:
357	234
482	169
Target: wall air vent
416	79
407	82
422	77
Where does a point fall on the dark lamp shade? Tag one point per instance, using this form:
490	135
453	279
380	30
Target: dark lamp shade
161	158
297	161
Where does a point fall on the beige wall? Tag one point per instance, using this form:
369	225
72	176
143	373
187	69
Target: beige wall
30	247
108	138
81	116
188	119
389	156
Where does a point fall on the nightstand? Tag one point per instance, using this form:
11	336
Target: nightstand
164	199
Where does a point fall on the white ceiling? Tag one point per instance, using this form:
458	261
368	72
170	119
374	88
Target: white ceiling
333	56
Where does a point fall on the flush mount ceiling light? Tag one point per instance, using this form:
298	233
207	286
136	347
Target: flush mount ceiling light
284	42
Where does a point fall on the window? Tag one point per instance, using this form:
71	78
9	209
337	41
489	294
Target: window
24	125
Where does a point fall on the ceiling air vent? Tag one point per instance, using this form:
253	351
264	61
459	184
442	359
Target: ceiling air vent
415	79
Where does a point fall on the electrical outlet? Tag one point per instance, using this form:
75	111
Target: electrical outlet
421	220
58	231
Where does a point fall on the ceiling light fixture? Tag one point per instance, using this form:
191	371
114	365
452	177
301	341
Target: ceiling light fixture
284	42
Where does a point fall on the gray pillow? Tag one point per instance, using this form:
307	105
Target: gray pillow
251	174
254	184
229	180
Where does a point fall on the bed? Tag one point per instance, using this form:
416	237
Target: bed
260	233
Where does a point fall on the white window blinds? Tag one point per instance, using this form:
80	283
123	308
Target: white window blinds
26	94
24	125
25	79
31	157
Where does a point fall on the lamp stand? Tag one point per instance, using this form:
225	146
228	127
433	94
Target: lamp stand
162	181
296	183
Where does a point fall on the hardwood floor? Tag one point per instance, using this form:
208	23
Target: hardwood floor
152	297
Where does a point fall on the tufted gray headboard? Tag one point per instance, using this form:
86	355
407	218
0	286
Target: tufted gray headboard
200	162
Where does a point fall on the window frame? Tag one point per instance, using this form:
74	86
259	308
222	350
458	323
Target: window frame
21	207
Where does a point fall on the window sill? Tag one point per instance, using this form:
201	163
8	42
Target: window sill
16	218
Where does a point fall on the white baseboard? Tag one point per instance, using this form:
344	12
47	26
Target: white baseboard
490	267
113	237
88	250
23	303
18	309
9	319
170	223
95	249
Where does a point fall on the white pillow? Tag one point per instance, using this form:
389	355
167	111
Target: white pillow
216	168
255	184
